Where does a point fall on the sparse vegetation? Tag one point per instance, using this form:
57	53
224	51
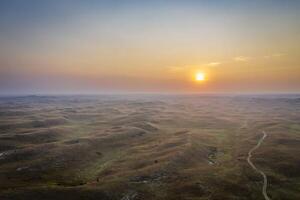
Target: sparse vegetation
118	147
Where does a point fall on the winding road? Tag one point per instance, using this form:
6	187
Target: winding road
265	184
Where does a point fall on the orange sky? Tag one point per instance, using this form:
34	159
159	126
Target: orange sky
149	47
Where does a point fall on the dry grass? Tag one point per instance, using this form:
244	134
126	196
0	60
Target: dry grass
139	147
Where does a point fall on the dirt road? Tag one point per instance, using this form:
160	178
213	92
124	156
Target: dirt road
265	184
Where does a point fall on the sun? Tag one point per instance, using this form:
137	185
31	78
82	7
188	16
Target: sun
200	76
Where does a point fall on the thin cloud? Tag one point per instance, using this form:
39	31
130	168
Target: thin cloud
275	55
213	64
241	59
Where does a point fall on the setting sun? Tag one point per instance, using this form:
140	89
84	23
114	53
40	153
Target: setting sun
200	77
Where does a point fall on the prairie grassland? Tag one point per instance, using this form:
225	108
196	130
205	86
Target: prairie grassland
148	147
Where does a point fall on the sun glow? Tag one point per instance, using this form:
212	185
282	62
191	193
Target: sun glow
200	76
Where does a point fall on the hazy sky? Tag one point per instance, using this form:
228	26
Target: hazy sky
90	46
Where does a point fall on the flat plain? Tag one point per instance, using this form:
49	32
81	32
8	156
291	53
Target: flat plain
149	147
